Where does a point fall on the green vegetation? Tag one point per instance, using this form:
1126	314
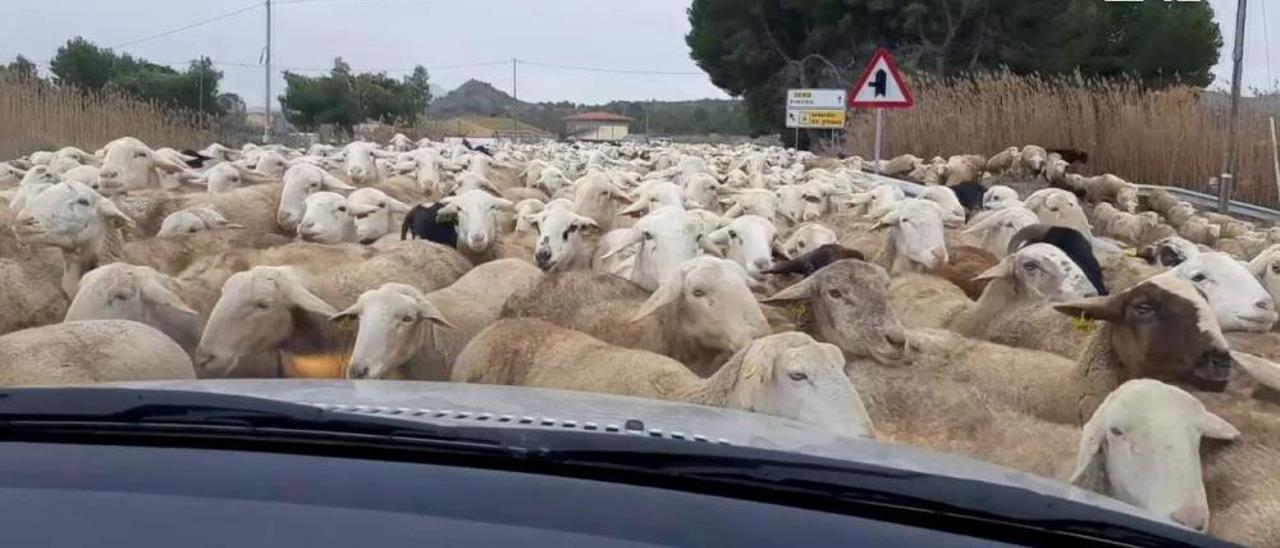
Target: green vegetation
82	64
345	99
756	49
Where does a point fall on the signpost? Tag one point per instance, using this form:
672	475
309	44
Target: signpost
881	86
815	109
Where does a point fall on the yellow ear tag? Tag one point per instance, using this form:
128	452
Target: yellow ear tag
1084	324
1131	251
317	366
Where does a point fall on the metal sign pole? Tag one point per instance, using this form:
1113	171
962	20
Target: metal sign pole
879	128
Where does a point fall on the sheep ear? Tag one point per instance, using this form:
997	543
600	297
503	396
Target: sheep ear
334	183
351	313
586	223
1213	426
108	208
709	246
719	237
1106	309
1002	269
165	164
299	296
397	206
1266	372
635	207
1090	472
633	238
448	213
154	291
667	293
798	291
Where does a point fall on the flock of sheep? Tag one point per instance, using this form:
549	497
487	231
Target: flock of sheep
1011	310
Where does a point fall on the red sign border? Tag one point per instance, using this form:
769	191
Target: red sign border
866	75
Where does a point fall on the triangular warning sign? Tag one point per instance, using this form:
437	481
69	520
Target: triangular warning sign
881	85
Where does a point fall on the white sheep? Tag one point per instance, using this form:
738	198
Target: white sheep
748	240
327	220
1142	446
301	181
375	213
476	214
386	346
997	228
1058	207
788	375
192	220
562	237
660	241
807	237
999	197
130	164
759	202
1237	298
916	239
87	352
652	195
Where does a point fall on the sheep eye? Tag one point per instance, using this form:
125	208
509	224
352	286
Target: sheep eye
140	155
835	293
342	209
801	244
193	230
83	201
648	235
733	234
797	376
1144	310
406	318
565	236
1030	267
262	305
699	293
1116	431
812	199
1199	277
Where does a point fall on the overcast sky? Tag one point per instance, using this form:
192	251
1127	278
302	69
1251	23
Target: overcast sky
645	35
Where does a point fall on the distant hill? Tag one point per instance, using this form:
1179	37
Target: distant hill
476	98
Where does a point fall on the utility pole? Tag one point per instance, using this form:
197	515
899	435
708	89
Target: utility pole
515	100
266	131
1227	180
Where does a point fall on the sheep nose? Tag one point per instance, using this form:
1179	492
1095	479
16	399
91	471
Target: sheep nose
108	174
1264	304
896	338
1193	516
358	371
27	220
764	263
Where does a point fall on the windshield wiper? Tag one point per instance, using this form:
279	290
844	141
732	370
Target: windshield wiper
27	409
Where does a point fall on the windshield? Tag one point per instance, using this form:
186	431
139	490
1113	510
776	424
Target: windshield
1033	234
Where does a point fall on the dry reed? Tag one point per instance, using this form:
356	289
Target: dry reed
1175	137
36	115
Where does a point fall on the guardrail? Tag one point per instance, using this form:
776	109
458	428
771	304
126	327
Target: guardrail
1210	202
1200	200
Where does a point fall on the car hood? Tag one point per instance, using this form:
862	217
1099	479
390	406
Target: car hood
455	404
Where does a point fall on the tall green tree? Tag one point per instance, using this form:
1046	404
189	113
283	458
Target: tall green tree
345	99
82	64
756	49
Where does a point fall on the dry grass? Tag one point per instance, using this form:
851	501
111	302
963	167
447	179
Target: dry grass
35	115
1174	137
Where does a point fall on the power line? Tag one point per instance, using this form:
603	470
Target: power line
187	27
612	70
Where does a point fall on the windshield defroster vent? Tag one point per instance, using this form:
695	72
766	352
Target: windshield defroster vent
631	426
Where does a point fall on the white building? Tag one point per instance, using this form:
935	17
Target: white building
596	126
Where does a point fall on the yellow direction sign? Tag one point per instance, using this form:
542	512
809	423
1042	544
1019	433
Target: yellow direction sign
816	119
